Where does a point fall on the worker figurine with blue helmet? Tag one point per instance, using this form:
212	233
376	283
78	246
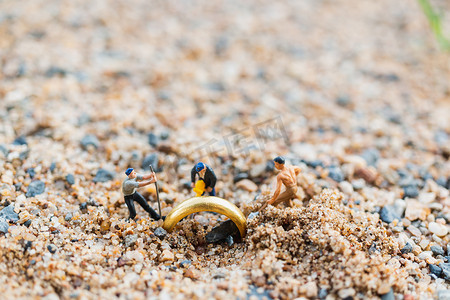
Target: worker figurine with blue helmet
129	186
205	174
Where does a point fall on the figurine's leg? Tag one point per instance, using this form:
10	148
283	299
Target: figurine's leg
141	200
130	205
284	196
213	192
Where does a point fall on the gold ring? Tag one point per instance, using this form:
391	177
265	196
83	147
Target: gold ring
208	203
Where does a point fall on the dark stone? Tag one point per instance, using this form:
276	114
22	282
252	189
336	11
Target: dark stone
371	156
445	270
230	240
160	233
9	214
240	176
222	231
343	100
69	216
335	173
323	293
186	185
52	166
4	226
442	181
437	250
165	134
388	296
19	141
31	172
130	240
89	140
388	214
35	188
435	270
103	176
55	71
27	223
314	163
83	206
373	249
153	139
185	263
153	160
270	166
18	186
410	191
70	179
407	249
52	248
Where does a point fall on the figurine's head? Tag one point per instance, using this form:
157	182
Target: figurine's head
201	169
131	173
279	162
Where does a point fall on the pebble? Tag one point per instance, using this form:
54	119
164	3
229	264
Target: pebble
130	240
230	240
167	255
323	293
346	187
36	187
445	270
388	214
185	263
371	156
414	230
438	229
153	160
70	179
335	173
103	176
88	141
344	293
221	232
153	139
435	270
68	217
189	273
389	295
240	176
247	185
20	141
4	226
358	184
9	214
410	191
52	248
252	215
416	210
407	248
437	250
257	170
160	233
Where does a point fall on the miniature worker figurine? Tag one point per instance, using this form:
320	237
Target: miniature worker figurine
129	187
287	177
206	174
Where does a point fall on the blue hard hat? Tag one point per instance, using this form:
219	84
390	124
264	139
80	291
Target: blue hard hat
128	171
199	166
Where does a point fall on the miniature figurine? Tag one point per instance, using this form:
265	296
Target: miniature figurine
206	174
129	187
287	176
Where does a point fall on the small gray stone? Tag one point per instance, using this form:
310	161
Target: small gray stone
222	231
335	173
130	240
410	191
185	263
388	214
36	187
407	249
52	248
153	139
437	250
252	215
4	226
89	140
435	270
70	179
371	156
27	223
445	270
160	232
388	296
230	240
323	293
68	217
103	176
153	160
8	214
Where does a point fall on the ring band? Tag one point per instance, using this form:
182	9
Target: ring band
206	203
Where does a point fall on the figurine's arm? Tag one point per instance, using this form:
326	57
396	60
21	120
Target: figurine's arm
144	183
277	191
193	172
297	170
213	179
149	176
